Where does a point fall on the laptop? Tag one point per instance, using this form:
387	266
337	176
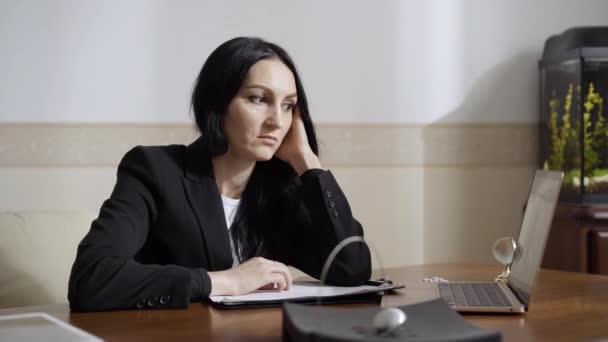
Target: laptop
513	296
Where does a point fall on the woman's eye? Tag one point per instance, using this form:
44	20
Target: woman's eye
288	107
256	99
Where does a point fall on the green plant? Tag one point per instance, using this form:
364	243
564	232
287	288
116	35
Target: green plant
570	175
564	133
594	138
599	172
561	132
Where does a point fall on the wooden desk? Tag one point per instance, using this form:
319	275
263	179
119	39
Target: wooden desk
565	307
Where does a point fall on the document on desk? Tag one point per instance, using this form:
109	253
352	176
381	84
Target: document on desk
40	326
305	291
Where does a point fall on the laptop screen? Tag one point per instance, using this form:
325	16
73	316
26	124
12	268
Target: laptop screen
534	232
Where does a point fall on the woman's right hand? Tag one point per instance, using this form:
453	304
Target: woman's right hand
250	276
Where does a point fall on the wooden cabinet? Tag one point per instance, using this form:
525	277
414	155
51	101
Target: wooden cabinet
578	241
598	251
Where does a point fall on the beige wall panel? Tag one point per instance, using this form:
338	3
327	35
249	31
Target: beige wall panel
372	145
423	193
467	209
410	215
70	145
387	202
480	144
55	189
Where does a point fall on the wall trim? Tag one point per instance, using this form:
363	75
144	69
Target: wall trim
392	145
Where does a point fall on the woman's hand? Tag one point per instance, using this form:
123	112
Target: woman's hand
250	276
295	149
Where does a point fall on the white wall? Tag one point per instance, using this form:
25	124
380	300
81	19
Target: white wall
362	61
424	192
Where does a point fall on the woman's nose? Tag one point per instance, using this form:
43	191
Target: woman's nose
275	117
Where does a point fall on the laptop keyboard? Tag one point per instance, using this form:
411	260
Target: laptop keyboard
473	294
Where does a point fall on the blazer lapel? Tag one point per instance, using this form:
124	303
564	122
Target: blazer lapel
205	200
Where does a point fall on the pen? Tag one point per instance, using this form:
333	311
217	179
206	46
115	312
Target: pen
379	282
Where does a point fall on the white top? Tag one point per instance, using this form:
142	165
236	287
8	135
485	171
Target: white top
230	207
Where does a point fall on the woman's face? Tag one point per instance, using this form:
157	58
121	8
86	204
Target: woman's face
259	116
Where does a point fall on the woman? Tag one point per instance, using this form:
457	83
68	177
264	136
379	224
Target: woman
226	214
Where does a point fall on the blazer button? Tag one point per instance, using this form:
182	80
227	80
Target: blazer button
152	302
140	304
327	194
335	213
164	300
331	204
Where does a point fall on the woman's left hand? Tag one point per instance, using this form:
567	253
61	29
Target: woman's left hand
295	149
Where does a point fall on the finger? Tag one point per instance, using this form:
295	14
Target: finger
254	260
289	279
266	261
278	266
278	279
269	286
297	120
281	268
260	259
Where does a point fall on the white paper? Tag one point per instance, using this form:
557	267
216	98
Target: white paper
39	326
298	290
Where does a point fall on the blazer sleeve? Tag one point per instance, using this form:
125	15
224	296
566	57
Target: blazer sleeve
105	275
318	220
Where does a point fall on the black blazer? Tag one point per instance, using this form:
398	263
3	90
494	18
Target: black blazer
165	219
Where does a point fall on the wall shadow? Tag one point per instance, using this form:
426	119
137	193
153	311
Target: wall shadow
471	195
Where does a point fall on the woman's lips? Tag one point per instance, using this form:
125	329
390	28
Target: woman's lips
268	139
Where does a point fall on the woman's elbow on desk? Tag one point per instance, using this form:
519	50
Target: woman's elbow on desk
86	290
124	284
82	298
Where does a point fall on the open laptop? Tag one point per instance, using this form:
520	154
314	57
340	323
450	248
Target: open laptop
513	296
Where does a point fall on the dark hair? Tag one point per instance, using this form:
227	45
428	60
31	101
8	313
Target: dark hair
217	84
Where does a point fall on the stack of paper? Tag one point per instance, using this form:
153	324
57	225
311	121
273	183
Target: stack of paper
300	291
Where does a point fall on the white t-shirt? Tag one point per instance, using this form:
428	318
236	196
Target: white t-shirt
230	207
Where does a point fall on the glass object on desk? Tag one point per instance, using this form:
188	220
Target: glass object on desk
504	250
